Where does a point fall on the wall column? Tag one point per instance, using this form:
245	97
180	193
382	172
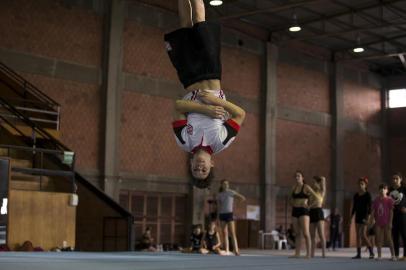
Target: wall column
269	191
337	130
113	85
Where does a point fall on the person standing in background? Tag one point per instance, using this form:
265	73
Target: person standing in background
335	228
398	193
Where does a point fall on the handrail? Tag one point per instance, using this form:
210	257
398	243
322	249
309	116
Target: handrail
35	110
34	119
25	100
11	125
29	149
28	122
45	172
101	193
27	85
21	91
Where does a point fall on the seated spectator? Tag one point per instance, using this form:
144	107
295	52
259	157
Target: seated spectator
196	241
211	240
281	232
145	242
290	236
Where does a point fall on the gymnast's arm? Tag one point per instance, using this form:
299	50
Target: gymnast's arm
187	106
237	113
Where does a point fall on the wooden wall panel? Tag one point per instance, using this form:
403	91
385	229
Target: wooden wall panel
44	218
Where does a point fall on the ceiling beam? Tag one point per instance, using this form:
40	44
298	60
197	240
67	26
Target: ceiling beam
339	33
324	18
270	10
313	29
380	37
375	56
397	10
374	42
341	24
377	22
248	29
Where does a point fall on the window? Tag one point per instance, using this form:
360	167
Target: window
165	213
397	98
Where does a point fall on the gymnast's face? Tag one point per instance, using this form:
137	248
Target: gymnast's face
362	186
212	226
383	191
197	230
397	181
299	178
225	185
201	164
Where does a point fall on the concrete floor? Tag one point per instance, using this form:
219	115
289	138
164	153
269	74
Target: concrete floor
250	259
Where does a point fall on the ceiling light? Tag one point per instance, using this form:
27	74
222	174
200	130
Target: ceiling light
295	26
358	50
216	2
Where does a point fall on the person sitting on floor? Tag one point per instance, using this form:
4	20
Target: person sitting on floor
196	241
145	243
211	240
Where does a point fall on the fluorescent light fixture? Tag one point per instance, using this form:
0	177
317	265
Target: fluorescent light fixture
358	50
216	2
397	98
295	28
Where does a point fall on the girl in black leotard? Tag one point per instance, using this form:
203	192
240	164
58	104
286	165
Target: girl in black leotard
300	213
211	240
361	208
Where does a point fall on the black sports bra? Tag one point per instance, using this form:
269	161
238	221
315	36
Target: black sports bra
300	195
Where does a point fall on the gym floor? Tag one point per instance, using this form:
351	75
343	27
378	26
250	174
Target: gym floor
250	259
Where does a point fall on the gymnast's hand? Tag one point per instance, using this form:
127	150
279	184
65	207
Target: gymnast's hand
216	112
208	97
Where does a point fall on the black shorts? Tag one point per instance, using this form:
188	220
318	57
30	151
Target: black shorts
213	216
195	52
371	231
360	220
299	211
316	214
226	217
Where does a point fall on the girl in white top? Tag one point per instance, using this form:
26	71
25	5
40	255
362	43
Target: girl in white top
225	205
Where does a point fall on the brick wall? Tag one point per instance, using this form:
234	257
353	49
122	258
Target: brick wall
397	148
362	152
397	140
147	143
303	88
361	103
48	28
301	147
241	72
362	157
144	52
